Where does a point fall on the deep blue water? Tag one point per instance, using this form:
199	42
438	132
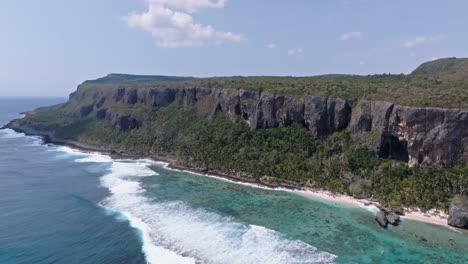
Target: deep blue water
62	206
49	204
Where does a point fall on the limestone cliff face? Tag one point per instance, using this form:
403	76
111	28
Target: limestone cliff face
418	135
414	134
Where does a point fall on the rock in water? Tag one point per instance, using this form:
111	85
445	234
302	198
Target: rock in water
393	218
381	219
458	212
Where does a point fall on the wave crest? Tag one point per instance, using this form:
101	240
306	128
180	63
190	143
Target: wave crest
207	236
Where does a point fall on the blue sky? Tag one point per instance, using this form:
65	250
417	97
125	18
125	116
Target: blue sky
48	47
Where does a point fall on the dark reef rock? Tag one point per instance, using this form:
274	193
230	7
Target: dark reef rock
458	212
393	218
381	219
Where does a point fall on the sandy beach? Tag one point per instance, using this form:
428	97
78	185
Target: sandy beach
432	216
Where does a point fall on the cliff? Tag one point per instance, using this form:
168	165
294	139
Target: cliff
417	135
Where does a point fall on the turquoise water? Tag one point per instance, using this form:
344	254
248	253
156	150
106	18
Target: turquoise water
62	206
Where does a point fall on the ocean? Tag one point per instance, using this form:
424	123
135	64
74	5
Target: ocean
59	205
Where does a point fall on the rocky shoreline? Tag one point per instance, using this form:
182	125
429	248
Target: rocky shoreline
384	215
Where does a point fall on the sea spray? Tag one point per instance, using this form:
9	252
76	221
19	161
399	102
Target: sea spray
208	237
124	190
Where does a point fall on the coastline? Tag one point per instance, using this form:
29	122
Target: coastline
432	216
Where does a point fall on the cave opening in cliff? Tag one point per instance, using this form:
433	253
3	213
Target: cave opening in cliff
393	148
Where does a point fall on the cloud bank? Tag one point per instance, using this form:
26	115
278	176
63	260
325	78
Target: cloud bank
170	23
421	40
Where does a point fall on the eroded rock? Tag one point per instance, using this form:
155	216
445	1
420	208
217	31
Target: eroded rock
381	219
393	218
458	212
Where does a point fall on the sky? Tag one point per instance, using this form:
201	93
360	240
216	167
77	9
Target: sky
49	47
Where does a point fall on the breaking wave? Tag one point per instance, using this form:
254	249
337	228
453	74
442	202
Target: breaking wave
173	232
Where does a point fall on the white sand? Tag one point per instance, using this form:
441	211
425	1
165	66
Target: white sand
432	216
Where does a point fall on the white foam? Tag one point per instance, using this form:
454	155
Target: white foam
371	208
455	230
10	133
207	236
116	181
153	253
95	158
70	151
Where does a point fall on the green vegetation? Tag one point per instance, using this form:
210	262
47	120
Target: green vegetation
443	69
338	163
440	83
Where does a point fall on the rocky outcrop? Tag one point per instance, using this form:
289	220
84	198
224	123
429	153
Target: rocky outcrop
386	216
126	122
458	212
101	114
85	110
381	219
393	218
417	135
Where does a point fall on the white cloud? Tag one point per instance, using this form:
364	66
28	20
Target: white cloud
351	35
189	5
296	51
407	44
421	40
271	46
173	29
416	41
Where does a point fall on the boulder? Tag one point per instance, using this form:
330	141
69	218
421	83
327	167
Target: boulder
381	218
393	218
458	212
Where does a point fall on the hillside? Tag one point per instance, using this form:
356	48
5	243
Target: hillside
448	69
